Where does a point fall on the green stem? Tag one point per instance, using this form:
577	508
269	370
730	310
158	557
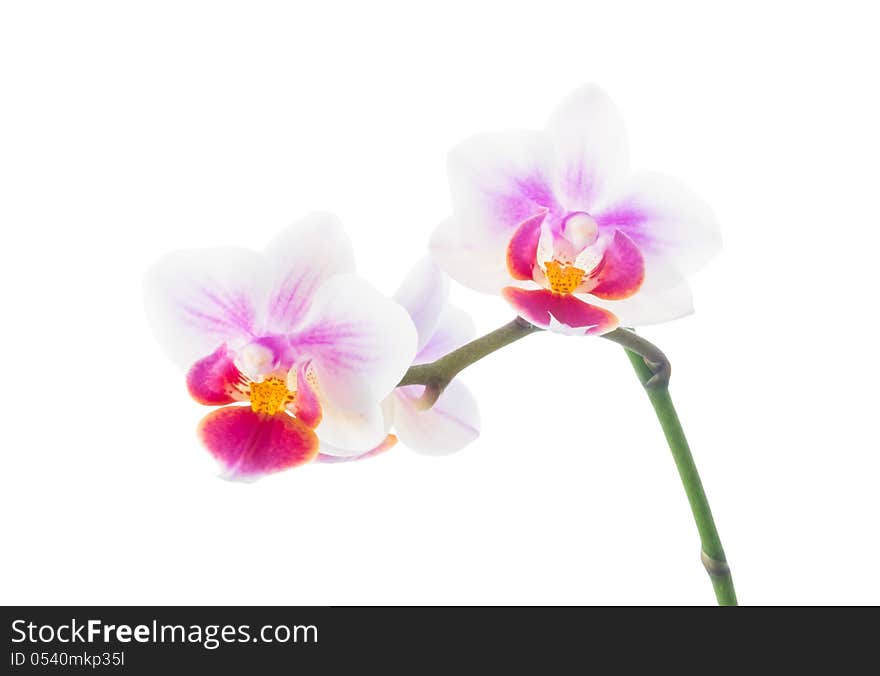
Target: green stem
437	375
652	369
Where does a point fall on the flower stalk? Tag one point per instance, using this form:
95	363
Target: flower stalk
652	368
437	375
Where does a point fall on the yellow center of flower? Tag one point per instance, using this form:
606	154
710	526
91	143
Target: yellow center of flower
270	396
563	278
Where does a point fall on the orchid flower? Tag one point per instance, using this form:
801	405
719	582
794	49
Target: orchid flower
553	222
454	419
297	351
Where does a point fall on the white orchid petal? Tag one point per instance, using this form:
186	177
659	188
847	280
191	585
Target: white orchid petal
665	219
347	433
424	294
665	295
454	328
301	258
499	180
198	299
589	139
361	342
546	249
478	263
450	425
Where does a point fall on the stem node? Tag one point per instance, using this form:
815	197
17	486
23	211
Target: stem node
662	371
714	567
433	390
437	375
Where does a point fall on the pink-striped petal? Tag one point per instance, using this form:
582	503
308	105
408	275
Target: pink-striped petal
387	444
541	307
621	271
360	343
300	259
201	298
215	380
306	404
665	220
589	138
499	180
249	445
523	247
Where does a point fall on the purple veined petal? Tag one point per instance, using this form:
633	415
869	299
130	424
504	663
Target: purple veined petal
664	295
477	262
250	445
665	220
360	342
199	299
454	329
450	425
589	138
424	294
499	180
301	258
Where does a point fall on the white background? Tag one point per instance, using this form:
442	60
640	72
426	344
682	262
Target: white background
130	129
